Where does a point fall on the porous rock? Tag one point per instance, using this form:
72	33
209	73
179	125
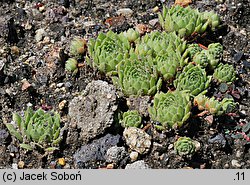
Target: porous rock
137	140
94	111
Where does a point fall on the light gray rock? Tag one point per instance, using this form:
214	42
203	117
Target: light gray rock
124	11
137	139
40	33
115	154
137	165
235	163
93	112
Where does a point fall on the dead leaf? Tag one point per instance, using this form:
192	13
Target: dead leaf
183	2
115	21
142	28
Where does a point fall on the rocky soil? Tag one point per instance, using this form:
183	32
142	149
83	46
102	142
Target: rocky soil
34	45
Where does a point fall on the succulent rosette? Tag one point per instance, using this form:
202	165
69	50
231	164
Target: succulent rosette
193	79
71	64
131	34
192	49
184	146
137	77
186	21
107	50
131	118
214	106
157	43
212	18
224	73
201	59
167	64
228	105
170	109
77	47
38	127
214	54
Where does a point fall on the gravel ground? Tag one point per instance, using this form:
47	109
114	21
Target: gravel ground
34	45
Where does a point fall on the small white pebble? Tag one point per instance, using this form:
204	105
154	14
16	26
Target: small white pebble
133	156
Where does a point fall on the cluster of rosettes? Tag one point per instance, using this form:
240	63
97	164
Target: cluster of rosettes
214	106
140	65
186	21
38	127
209	57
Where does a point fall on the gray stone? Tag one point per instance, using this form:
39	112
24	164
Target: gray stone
94	111
137	165
137	139
96	150
115	154
124	11
40	33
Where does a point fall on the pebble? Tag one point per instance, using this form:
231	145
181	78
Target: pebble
137	165
137	139
20	164
153	22
40	33
235	163
62	104
197	145
170	146
59	85
134	156
226	166
239	154
155	9
15	50
67	166
14	166
110	166
61	161
125	12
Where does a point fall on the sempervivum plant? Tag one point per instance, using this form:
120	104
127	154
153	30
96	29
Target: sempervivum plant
201	59
192	49
137	77
186	21
185	146
157	43
107	50
214	54
36	128
225	73
193	79
170	109
131	118
78	47
168	63
131	34
214	106
71	65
